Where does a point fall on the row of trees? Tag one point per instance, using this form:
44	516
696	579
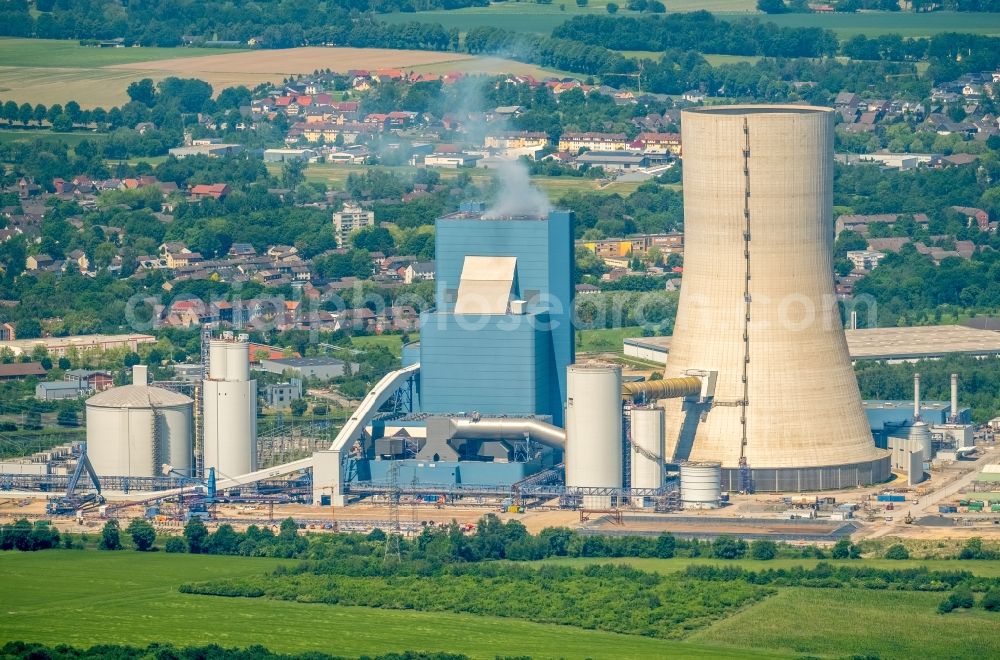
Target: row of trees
700	31
34	651
601	596
271	23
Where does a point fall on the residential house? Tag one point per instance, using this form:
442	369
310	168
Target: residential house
7	332
89	380
21	370
39	262
26	187
865	260
516	140
79	258
973	215
573	142
860	223
660	142
281	395
216	191
419	271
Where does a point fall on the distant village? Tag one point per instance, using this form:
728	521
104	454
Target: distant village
322	129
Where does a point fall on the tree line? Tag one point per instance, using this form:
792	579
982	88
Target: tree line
34	651
699	31
271	23
599	596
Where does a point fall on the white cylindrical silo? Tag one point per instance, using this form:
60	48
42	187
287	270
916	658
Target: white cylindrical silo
217	359
237	361
594	426
230	419
647	447
920	440
701	485
133	430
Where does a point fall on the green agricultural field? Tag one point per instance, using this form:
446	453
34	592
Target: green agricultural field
605	340
90	597
8	136
335	176
393	342
904	23
58	53
856	622
523	16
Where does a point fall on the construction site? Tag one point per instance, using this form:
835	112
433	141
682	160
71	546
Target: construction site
756	428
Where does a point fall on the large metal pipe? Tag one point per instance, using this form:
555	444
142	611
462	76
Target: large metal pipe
916	396
503	428
667	388
954	397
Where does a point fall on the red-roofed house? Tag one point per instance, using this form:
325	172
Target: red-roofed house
209	190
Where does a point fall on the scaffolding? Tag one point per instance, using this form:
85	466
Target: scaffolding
283	440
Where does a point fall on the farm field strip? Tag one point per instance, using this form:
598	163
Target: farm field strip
858	622
132	598
907	24
46	53
50	71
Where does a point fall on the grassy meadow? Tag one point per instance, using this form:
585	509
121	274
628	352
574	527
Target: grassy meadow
85	598
525	16
605	340
890	625
61	53
335	176
908	24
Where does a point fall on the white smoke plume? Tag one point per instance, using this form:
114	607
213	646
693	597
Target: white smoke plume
517	196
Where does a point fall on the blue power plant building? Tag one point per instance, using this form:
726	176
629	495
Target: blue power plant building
496	345
501	335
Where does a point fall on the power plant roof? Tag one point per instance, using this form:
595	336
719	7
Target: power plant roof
138	396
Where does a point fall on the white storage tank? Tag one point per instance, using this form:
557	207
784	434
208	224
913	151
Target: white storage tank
647	447
217	359
230	410
134	429
238	361
594	429
701	485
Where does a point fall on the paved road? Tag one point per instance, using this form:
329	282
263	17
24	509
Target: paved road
931	499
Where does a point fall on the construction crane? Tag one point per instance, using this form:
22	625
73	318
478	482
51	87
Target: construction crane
70	503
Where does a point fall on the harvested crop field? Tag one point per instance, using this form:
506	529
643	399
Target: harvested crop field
299	60
94	78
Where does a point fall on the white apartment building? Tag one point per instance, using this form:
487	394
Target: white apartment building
352	217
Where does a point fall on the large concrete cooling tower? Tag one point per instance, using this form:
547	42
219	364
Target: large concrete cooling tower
757	305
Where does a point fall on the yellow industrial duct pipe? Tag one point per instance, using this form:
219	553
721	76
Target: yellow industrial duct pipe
667	388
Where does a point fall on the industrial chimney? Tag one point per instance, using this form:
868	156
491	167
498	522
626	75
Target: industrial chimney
916	397
758	306
954	399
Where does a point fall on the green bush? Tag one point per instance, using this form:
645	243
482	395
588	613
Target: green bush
991	601
897	551
176	544
111	538
763	549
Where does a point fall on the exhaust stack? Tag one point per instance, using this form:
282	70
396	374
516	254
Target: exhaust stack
954	398
916	397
